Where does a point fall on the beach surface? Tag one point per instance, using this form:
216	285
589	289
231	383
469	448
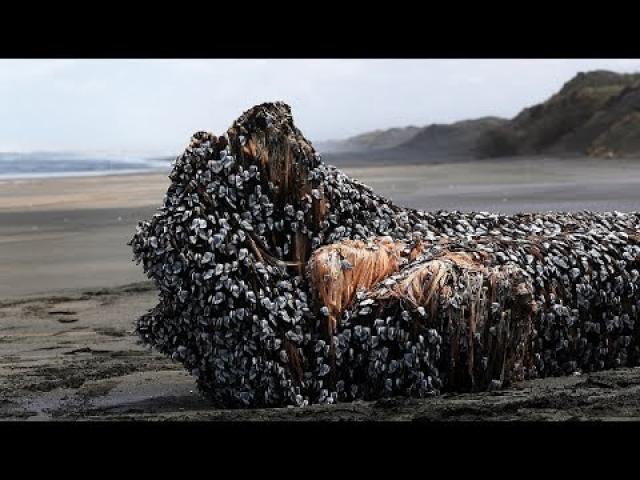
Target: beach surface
69	296
61	234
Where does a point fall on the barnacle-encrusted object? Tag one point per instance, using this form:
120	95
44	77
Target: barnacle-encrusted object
283	281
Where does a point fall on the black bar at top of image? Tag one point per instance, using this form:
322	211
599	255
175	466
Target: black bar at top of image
321	31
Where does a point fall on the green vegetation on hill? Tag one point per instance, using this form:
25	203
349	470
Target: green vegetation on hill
595	113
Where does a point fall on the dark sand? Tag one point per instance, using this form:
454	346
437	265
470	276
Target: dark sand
61	234
69	295
75	358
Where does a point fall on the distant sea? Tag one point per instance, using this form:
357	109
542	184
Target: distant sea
45	164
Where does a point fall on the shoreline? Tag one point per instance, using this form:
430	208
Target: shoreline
72	232
83	192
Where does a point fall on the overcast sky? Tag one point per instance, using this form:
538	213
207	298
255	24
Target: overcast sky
153	106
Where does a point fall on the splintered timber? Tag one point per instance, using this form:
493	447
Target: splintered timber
285	282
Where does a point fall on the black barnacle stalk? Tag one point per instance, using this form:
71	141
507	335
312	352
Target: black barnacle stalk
283	281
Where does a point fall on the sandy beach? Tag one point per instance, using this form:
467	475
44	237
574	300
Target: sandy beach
69	295
68	233
61	234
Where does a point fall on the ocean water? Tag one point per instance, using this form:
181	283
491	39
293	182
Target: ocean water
45	164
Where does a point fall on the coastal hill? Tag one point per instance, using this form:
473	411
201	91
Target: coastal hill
377	139
595	113
412	145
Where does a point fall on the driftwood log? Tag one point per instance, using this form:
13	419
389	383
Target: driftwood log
283	281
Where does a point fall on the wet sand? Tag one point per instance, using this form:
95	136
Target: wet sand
61	234
74	358
69	294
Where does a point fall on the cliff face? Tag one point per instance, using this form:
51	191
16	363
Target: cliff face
595	113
